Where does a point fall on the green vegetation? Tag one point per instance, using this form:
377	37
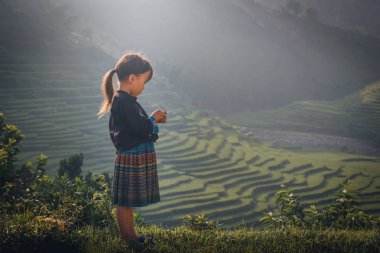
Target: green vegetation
341	214
183	239
39	213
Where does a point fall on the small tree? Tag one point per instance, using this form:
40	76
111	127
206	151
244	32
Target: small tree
71	166
291	211
344	213
15	183
10	137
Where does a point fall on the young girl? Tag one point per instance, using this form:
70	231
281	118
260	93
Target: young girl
133	133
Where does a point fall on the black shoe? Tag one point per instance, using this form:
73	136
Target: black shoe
138	246
146	239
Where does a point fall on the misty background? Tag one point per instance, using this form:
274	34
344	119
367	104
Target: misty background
231	57
240	55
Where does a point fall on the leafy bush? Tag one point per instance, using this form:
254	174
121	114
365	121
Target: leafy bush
200	222
71	166
43	213
77	201
25	232
31	201
10	136
342	213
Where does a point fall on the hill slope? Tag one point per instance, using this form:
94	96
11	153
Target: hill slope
249	57
356	15
356	115
205	163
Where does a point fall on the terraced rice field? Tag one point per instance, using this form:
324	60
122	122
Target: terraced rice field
205	163
356	115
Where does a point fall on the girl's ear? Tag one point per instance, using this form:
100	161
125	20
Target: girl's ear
131	77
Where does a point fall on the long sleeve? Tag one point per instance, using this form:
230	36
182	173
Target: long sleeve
137	121
155	126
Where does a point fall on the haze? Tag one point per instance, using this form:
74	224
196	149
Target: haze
236	55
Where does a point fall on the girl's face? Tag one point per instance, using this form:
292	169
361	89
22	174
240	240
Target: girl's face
138	83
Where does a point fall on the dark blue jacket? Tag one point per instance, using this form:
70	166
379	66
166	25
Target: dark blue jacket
129	124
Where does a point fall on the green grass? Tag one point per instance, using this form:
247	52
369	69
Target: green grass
183	239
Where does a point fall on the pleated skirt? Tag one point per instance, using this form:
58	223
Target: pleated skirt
135	180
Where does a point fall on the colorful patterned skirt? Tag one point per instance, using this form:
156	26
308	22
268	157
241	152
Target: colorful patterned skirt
135	181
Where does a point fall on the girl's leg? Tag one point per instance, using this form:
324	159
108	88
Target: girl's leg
126	224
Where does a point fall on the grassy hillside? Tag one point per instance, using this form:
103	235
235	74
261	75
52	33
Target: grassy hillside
181	239
205	163
356	115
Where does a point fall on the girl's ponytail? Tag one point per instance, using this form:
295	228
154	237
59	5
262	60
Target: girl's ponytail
108	92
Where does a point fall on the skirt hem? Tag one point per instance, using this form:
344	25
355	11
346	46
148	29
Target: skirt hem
134	204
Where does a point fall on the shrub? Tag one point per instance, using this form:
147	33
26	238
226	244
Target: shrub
26	232
66	197
77	201
200	222
341	214
291	211
71	166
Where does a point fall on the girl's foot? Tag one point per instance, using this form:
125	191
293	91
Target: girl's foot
146	239
138	246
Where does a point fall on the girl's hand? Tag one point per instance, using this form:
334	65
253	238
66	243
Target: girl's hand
159	115
162	120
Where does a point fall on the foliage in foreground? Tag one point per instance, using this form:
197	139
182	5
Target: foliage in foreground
72	213
183	239
343	213
36	209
